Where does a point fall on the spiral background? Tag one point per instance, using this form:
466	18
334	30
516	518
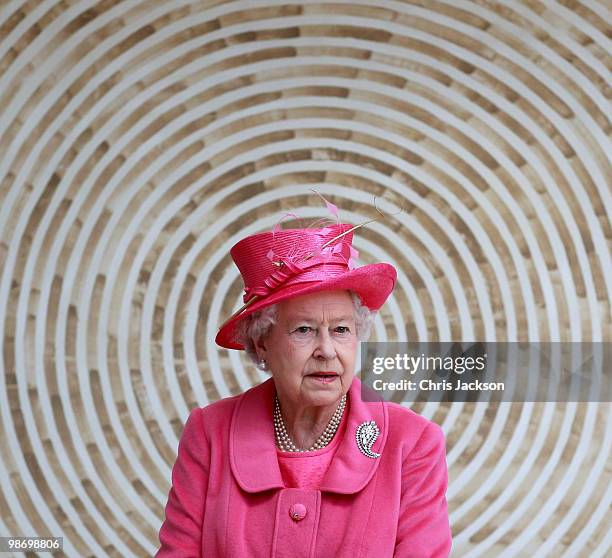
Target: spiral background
141	139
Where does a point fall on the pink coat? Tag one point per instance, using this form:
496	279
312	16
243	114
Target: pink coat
228	498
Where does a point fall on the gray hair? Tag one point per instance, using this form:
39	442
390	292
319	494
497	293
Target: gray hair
258	324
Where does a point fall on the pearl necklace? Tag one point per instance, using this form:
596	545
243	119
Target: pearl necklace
284	441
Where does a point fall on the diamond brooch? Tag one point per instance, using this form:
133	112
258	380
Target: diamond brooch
366	435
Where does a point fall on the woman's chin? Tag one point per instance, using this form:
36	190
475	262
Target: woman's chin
323	392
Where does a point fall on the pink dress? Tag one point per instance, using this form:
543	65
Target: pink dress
306	470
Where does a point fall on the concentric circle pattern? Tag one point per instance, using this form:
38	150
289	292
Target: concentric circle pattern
141	139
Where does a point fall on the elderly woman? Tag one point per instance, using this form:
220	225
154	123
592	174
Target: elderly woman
299	465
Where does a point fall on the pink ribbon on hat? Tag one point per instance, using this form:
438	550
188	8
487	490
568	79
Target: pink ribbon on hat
335	259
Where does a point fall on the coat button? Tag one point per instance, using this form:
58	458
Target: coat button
297	512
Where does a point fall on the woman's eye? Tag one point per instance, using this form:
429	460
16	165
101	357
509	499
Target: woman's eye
342	329
304	329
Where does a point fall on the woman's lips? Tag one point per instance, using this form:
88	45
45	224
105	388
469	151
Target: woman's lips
323	377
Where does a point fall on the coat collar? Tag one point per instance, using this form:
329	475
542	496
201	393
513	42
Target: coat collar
253	450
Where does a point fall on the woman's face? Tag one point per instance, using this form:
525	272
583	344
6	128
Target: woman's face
311	349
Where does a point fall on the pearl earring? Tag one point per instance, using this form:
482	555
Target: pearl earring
262	365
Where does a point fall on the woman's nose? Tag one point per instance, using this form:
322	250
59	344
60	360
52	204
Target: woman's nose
324	346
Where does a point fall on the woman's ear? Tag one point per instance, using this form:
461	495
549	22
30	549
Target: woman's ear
260	347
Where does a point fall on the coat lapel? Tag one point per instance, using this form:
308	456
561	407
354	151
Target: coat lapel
252	446
253	450
350	470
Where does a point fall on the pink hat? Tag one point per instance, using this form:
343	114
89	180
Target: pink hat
287	263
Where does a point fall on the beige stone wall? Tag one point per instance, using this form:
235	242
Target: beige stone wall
141	139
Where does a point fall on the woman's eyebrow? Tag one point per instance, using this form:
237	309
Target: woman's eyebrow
298	318
344	318
310	319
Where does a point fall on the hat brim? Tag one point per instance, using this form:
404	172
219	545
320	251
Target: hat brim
372	283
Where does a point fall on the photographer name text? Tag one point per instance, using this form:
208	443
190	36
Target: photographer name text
431	385
423	363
